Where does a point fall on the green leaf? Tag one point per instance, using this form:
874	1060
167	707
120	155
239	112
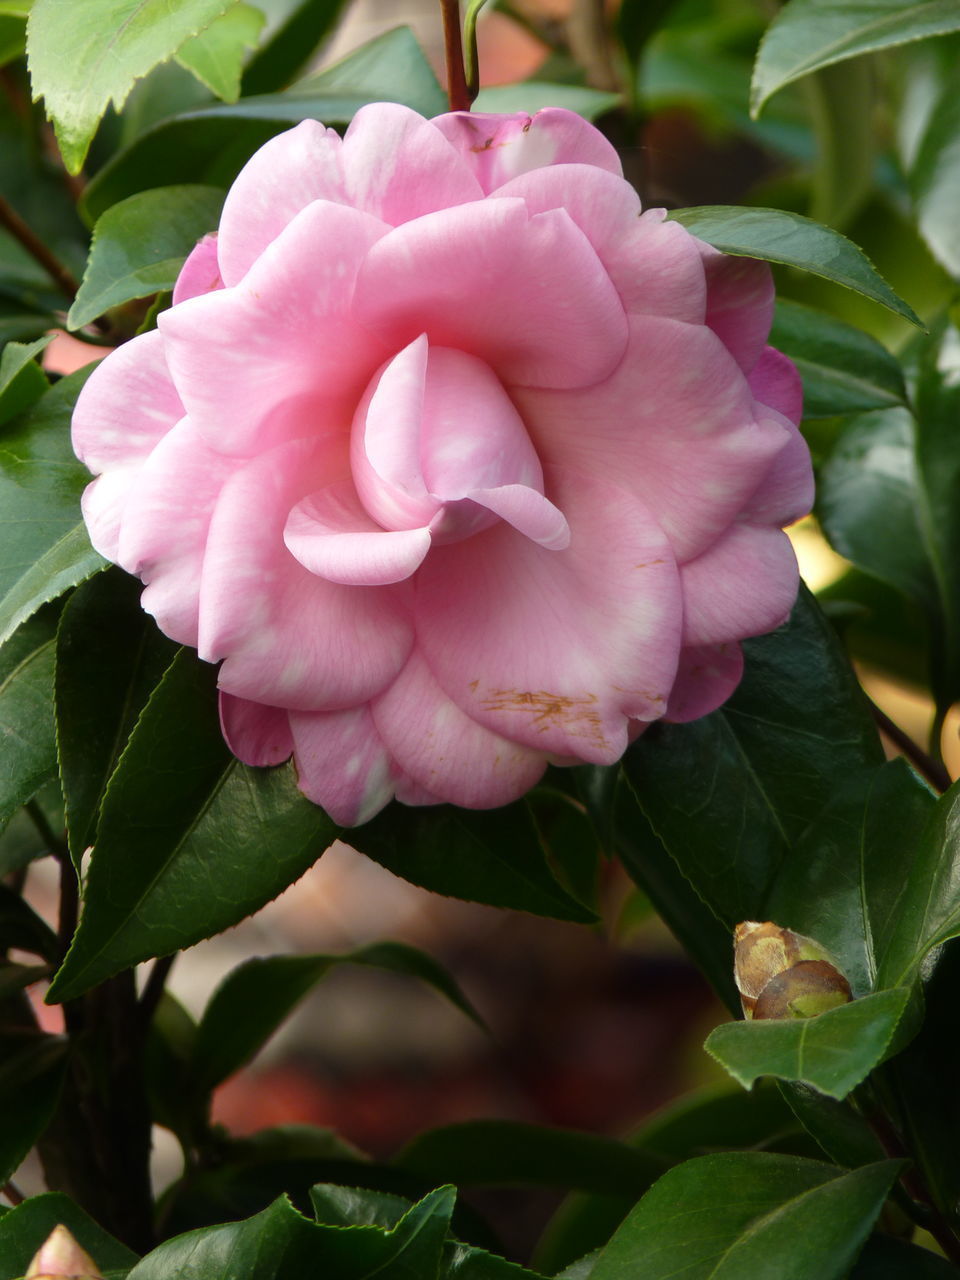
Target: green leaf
211	145
22	381
291	47
749	1214
843	369
44	549
24	1229
831	1053
491	856
842	103
793	241
214	839
21	843
28	748
934	176
505	1153
81	67
533	95
809	34
253	1000
22	928
30	1081
139	246
885	1258
110	656
216	56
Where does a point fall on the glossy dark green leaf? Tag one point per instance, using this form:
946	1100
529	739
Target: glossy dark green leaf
44	548
746	1214
290	48
28	746
216	56
30	1082
22	928
794	241
213	839
140	244
809	34
842	102
507	1153
81	67
844	370
22	842
24	1229
253	1000
491	856
831	1053
336	1206
22	381
462	1262
109	658
934	176
730	795
212	144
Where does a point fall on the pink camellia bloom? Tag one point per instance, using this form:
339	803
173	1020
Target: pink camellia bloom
455	460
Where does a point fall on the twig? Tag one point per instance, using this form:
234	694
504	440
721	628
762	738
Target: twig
13	1193
55	844
457	91
55	269
153	988
588	34
933	770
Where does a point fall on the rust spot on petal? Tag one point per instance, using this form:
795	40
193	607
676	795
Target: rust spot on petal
646	564
576	716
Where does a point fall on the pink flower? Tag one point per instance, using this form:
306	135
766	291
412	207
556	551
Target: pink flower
455	460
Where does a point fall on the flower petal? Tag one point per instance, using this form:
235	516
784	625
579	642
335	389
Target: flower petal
456	759
200	273
744	585
555	650
706	677
126	405
499	147
255	733
775	382
399	166
289	638
288	173
528	511
341	763
103	504
483	278
279	356
740	297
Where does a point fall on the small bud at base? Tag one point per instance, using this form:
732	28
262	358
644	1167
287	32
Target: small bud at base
61	1258
782	974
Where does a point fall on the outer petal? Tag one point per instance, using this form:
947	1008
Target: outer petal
342	764
103	504
290	639
655	265
200	273
398	166
740	297
279	357
483	278
556	649
745	585
775	382
445	751
675	424
165	522
706	678
127	404
284	176
500	147
786	491
256	734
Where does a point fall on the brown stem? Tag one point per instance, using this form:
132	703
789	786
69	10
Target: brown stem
589	36
153	988
55	844
55	269
457	91
13	1193
931	769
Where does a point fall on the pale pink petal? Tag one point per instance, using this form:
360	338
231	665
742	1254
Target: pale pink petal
776	382
256	734
200	273
485	278
786	491
528	511
740	297
499	147
556	649
127	404
442	749
675	425
341	763
103	504
279	356
411	793
331	535
284	176
744	585
164	528
289	638
398	166
655	265
706	678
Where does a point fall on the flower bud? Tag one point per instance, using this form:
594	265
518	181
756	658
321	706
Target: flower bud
782	974
61	1258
